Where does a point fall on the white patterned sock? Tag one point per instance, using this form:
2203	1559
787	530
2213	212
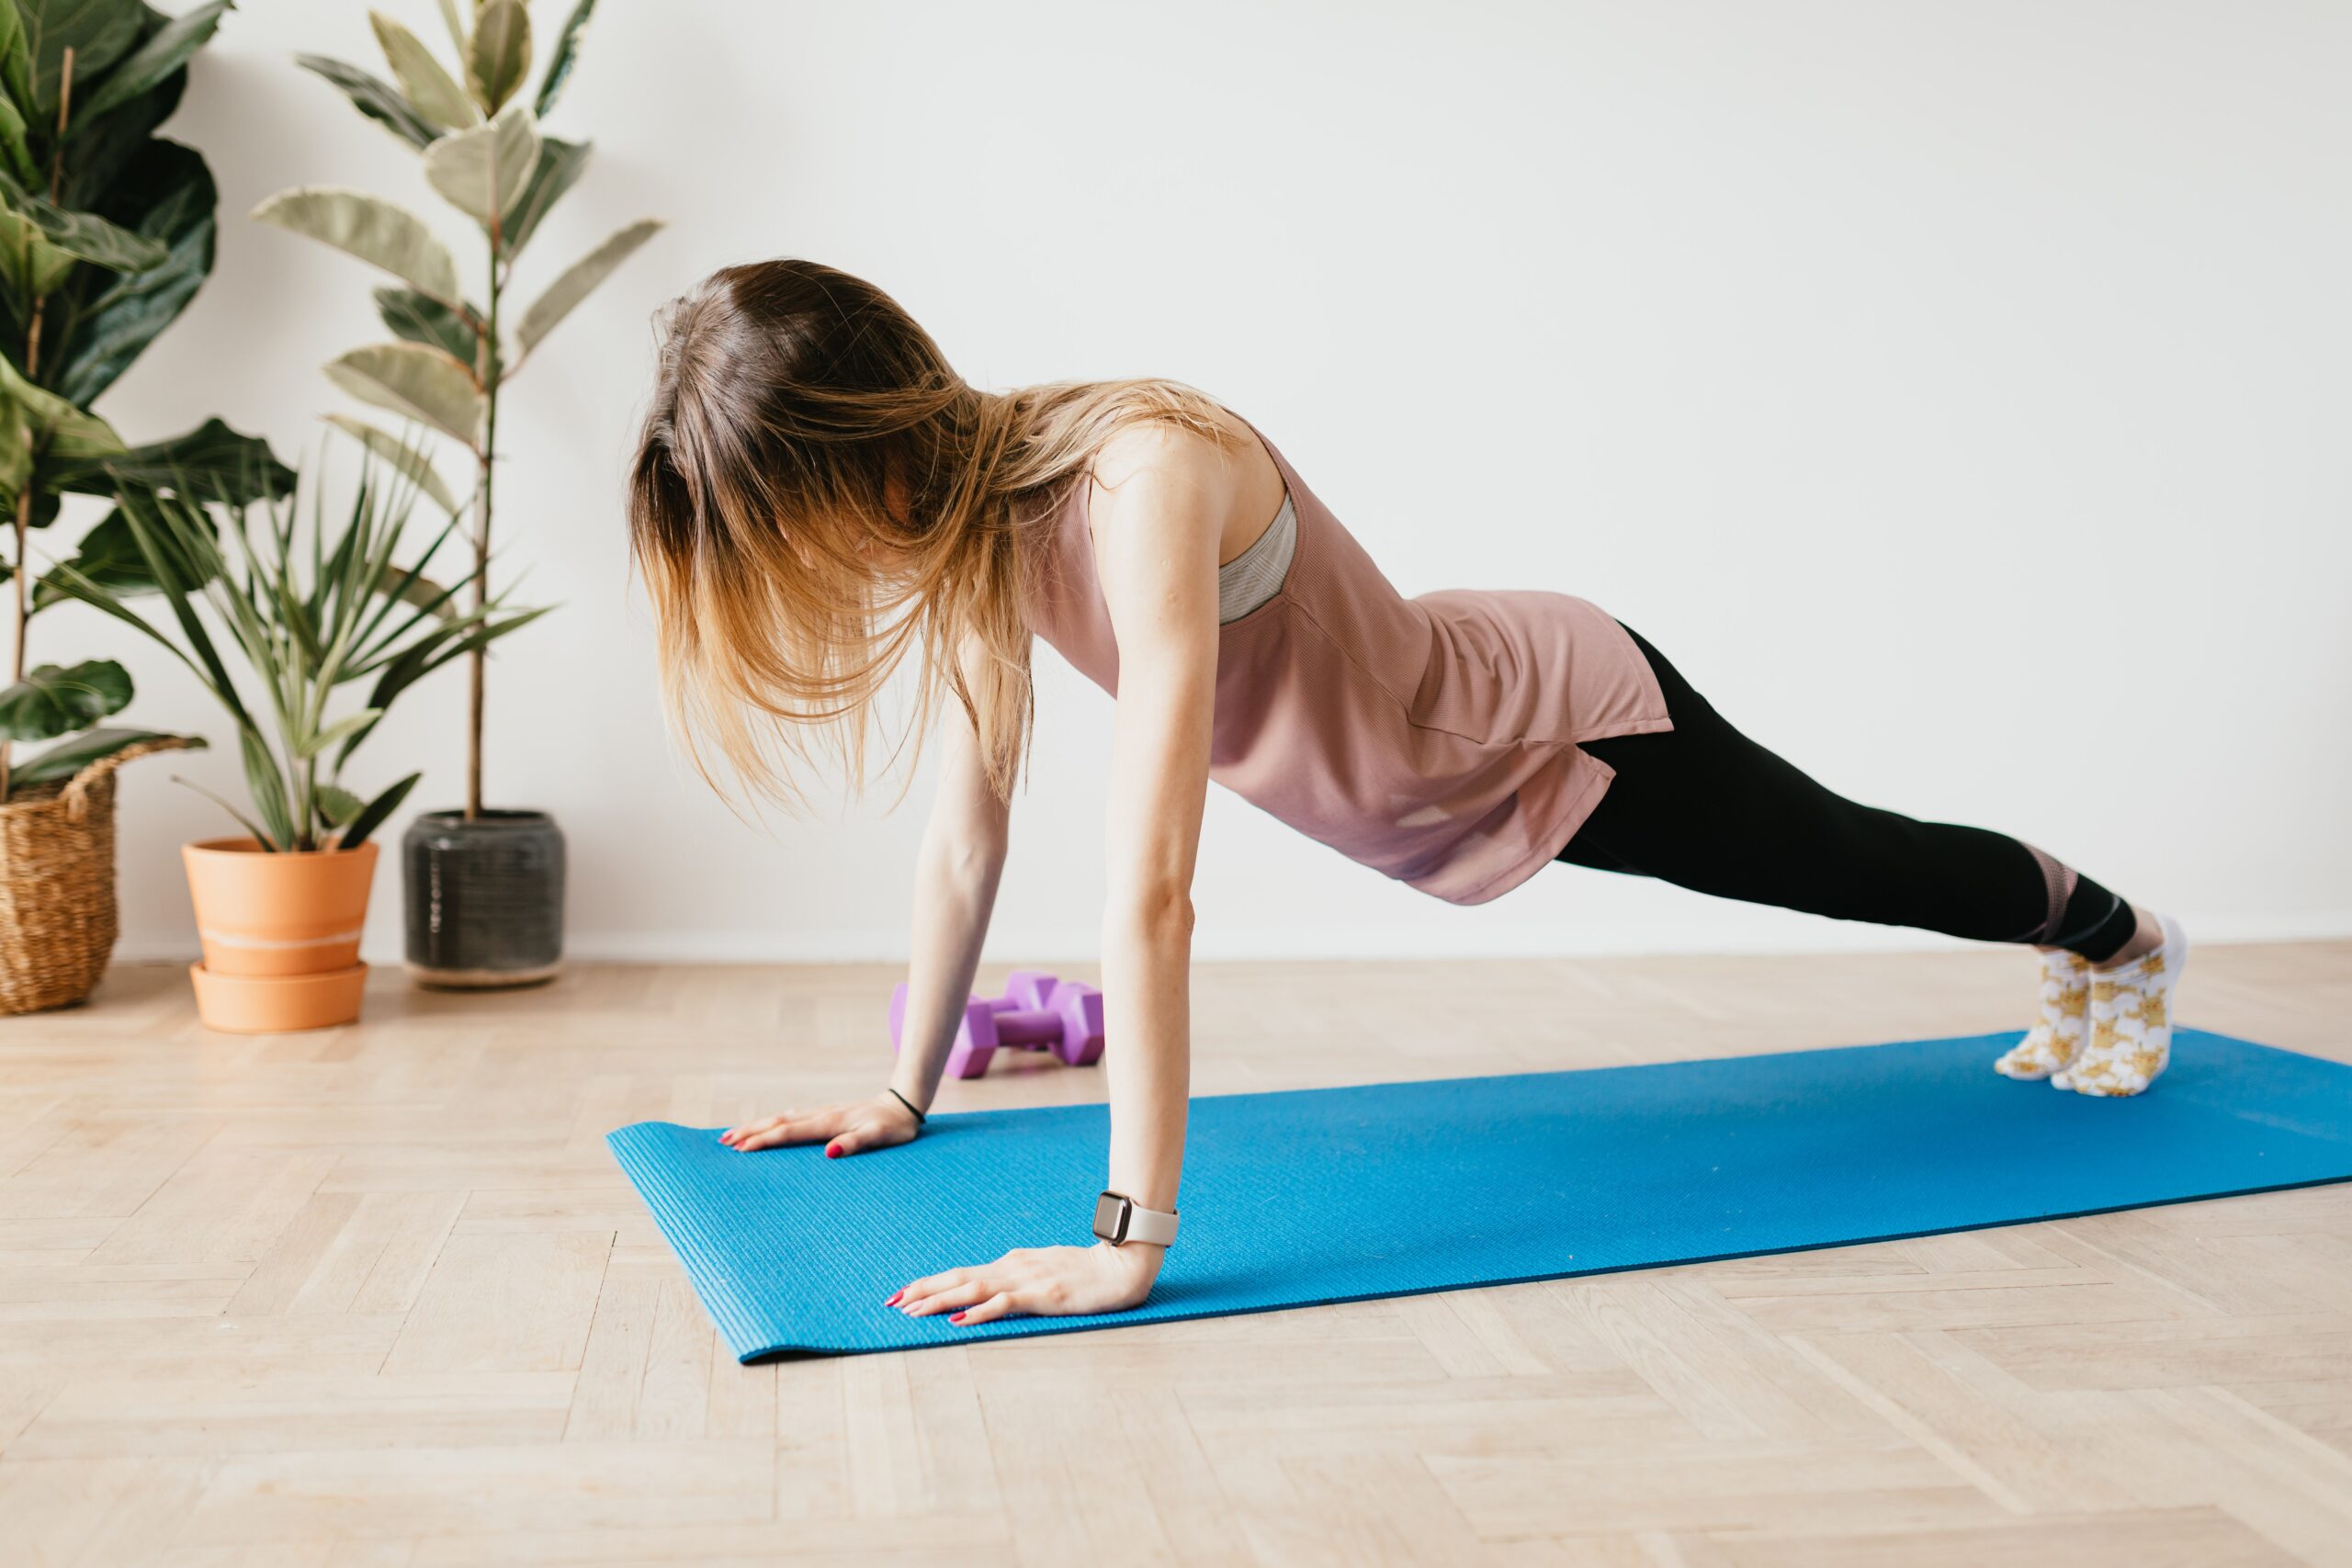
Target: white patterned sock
2054	1040
2130	1021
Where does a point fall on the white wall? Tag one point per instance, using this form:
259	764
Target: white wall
1958	393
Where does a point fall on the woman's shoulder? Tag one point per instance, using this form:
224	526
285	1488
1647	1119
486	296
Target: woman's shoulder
1153	461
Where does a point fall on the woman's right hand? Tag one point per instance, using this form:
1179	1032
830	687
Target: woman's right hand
852	1128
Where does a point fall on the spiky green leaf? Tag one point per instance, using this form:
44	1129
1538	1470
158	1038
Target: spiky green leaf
406	459
375	814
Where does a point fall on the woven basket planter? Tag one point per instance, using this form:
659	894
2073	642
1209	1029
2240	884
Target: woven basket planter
57	912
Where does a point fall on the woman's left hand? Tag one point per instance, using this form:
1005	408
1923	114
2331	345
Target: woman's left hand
1042	1281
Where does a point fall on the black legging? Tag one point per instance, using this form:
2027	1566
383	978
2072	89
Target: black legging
1704	808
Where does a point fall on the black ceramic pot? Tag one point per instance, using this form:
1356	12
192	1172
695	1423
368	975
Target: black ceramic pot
485	899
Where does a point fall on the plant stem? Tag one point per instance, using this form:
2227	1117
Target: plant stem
32	364
492	372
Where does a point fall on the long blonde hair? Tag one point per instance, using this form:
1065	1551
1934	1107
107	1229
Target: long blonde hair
816	492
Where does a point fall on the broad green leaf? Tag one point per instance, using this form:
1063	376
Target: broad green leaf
375	814
100	32
13	145
67	758
85	235
16	58
373	96
60	431
560	63
371	229
106	145
486	170
212	463
54	701
16	450
165	51
108	557
431	91
498	54
31	264
402	457
104	321
560	164
418	382
579	280
421	320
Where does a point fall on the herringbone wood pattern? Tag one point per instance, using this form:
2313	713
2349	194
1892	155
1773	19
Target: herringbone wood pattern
378	1296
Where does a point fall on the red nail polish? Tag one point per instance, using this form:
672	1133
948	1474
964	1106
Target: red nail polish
957	1317
832	1151
893	1300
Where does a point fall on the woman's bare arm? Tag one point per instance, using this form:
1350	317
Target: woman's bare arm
1158	511
956	870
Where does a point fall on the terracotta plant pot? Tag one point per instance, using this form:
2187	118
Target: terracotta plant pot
278	1004
281	934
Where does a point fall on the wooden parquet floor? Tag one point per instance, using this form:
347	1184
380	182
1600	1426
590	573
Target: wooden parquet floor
377	1296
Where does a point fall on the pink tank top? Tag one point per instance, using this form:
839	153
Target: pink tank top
1433	739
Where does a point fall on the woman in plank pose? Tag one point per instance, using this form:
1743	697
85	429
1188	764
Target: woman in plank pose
817	497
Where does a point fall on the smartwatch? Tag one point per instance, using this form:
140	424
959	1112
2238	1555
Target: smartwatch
1119	1219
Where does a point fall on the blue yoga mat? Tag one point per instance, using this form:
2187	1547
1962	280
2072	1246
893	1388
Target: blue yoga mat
1388	1190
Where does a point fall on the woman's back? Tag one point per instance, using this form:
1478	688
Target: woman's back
1432	738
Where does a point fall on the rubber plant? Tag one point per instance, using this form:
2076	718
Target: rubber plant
106	232
477	133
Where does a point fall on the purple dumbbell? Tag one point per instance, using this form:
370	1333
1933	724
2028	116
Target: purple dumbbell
1036	1012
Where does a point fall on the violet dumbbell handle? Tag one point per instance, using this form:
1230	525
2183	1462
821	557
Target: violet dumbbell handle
913	1078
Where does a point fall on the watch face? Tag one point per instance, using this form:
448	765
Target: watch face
1111	1211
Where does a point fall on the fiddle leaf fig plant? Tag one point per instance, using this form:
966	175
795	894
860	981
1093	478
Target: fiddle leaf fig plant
308	604
453	350
106	232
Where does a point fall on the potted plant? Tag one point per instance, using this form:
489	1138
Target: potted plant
485	888
308	606
106	232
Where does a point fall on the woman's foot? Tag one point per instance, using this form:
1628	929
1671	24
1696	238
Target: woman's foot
2053	1042
2131	1033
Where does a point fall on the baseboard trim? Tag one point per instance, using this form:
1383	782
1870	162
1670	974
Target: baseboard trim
1474	941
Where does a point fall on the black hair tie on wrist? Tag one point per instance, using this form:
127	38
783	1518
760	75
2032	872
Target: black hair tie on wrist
909	1105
